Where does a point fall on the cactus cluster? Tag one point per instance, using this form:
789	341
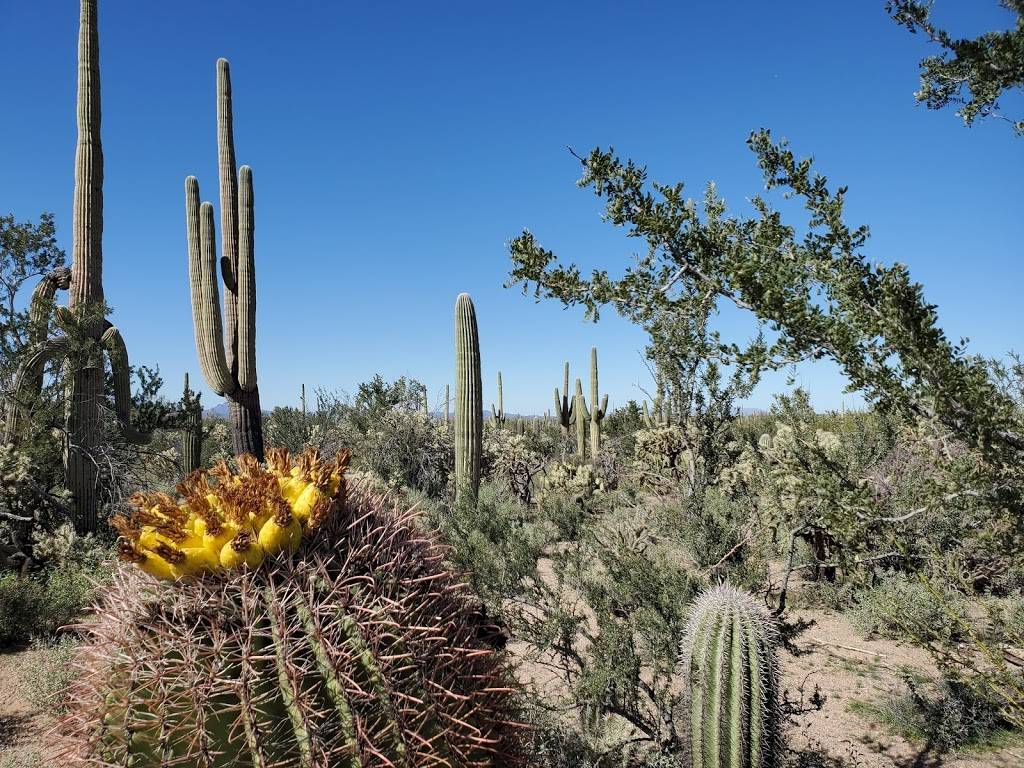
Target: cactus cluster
730	656
227	521
87	334
469	409
227	353
358	650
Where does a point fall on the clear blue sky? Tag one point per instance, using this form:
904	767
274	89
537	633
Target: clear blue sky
397	147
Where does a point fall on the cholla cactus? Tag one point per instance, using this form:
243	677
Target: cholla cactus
359	649
733	675
579	482
508	458
664	451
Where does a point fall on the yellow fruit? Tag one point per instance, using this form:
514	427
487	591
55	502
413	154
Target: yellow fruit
242	550
310	498
157	567
291	488
334	484
281	533
197	560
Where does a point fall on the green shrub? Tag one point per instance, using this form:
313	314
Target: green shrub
22	759
21	601
47	672
407	449
901	607
947	715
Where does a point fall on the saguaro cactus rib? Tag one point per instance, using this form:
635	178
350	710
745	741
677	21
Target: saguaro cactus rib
227	353
469	413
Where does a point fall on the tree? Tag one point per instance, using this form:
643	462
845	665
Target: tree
973	73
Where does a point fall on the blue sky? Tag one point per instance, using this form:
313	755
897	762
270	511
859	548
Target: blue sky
397	147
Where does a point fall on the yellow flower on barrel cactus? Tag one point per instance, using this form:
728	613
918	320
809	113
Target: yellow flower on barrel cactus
228	519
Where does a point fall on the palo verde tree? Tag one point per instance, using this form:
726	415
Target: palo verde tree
973	73
816	295
86	333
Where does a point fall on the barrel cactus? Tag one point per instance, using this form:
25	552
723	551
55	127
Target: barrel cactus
730	654
294	621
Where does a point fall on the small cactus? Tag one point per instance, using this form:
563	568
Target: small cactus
730	655
596	414
469	408
578	417
563	407
656	418
498	414
192	429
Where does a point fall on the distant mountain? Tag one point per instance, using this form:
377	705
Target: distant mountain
221	411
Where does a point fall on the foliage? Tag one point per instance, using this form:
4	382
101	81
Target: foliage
571	480
406	448
900	606
971	73
48	671
507	458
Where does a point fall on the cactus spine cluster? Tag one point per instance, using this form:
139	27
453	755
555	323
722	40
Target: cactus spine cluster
469	404
578	417
596	414
498	414
734	681
192	429
87	334
227	355
358	650
563	407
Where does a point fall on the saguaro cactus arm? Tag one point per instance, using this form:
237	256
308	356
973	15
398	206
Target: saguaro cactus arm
117	353
202	271
246	283
41	307
28	381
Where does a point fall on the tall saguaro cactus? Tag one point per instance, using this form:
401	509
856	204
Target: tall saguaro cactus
734	681
192	429
596	414
579	418
227	355
563	407
87	334
498	414
469	403
447	405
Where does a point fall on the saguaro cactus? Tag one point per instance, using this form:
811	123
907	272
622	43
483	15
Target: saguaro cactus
469	404
192	431
447	405
657	418
227	357
734	681
562	405
579	418
87	334
596	414
498	414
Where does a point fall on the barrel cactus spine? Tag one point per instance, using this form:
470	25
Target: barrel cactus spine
578	417
596	414
356	649
192	429
87	334
730	656
227	354
469	408
498	414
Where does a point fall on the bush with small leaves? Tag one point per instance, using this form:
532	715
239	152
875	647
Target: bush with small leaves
47	672
902	607
508	459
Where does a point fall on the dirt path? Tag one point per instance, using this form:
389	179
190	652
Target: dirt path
22	726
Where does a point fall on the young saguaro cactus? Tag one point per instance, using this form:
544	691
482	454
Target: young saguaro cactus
348	645
596	414
498	414
227	354
469	403
192	429
88	335
657	418
730	656
578	417
563	407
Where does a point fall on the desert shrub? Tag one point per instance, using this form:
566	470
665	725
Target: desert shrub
662	454
21	759
494	540
406	448
947	714
48	671
621	426
21	599
900	607
1006	616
